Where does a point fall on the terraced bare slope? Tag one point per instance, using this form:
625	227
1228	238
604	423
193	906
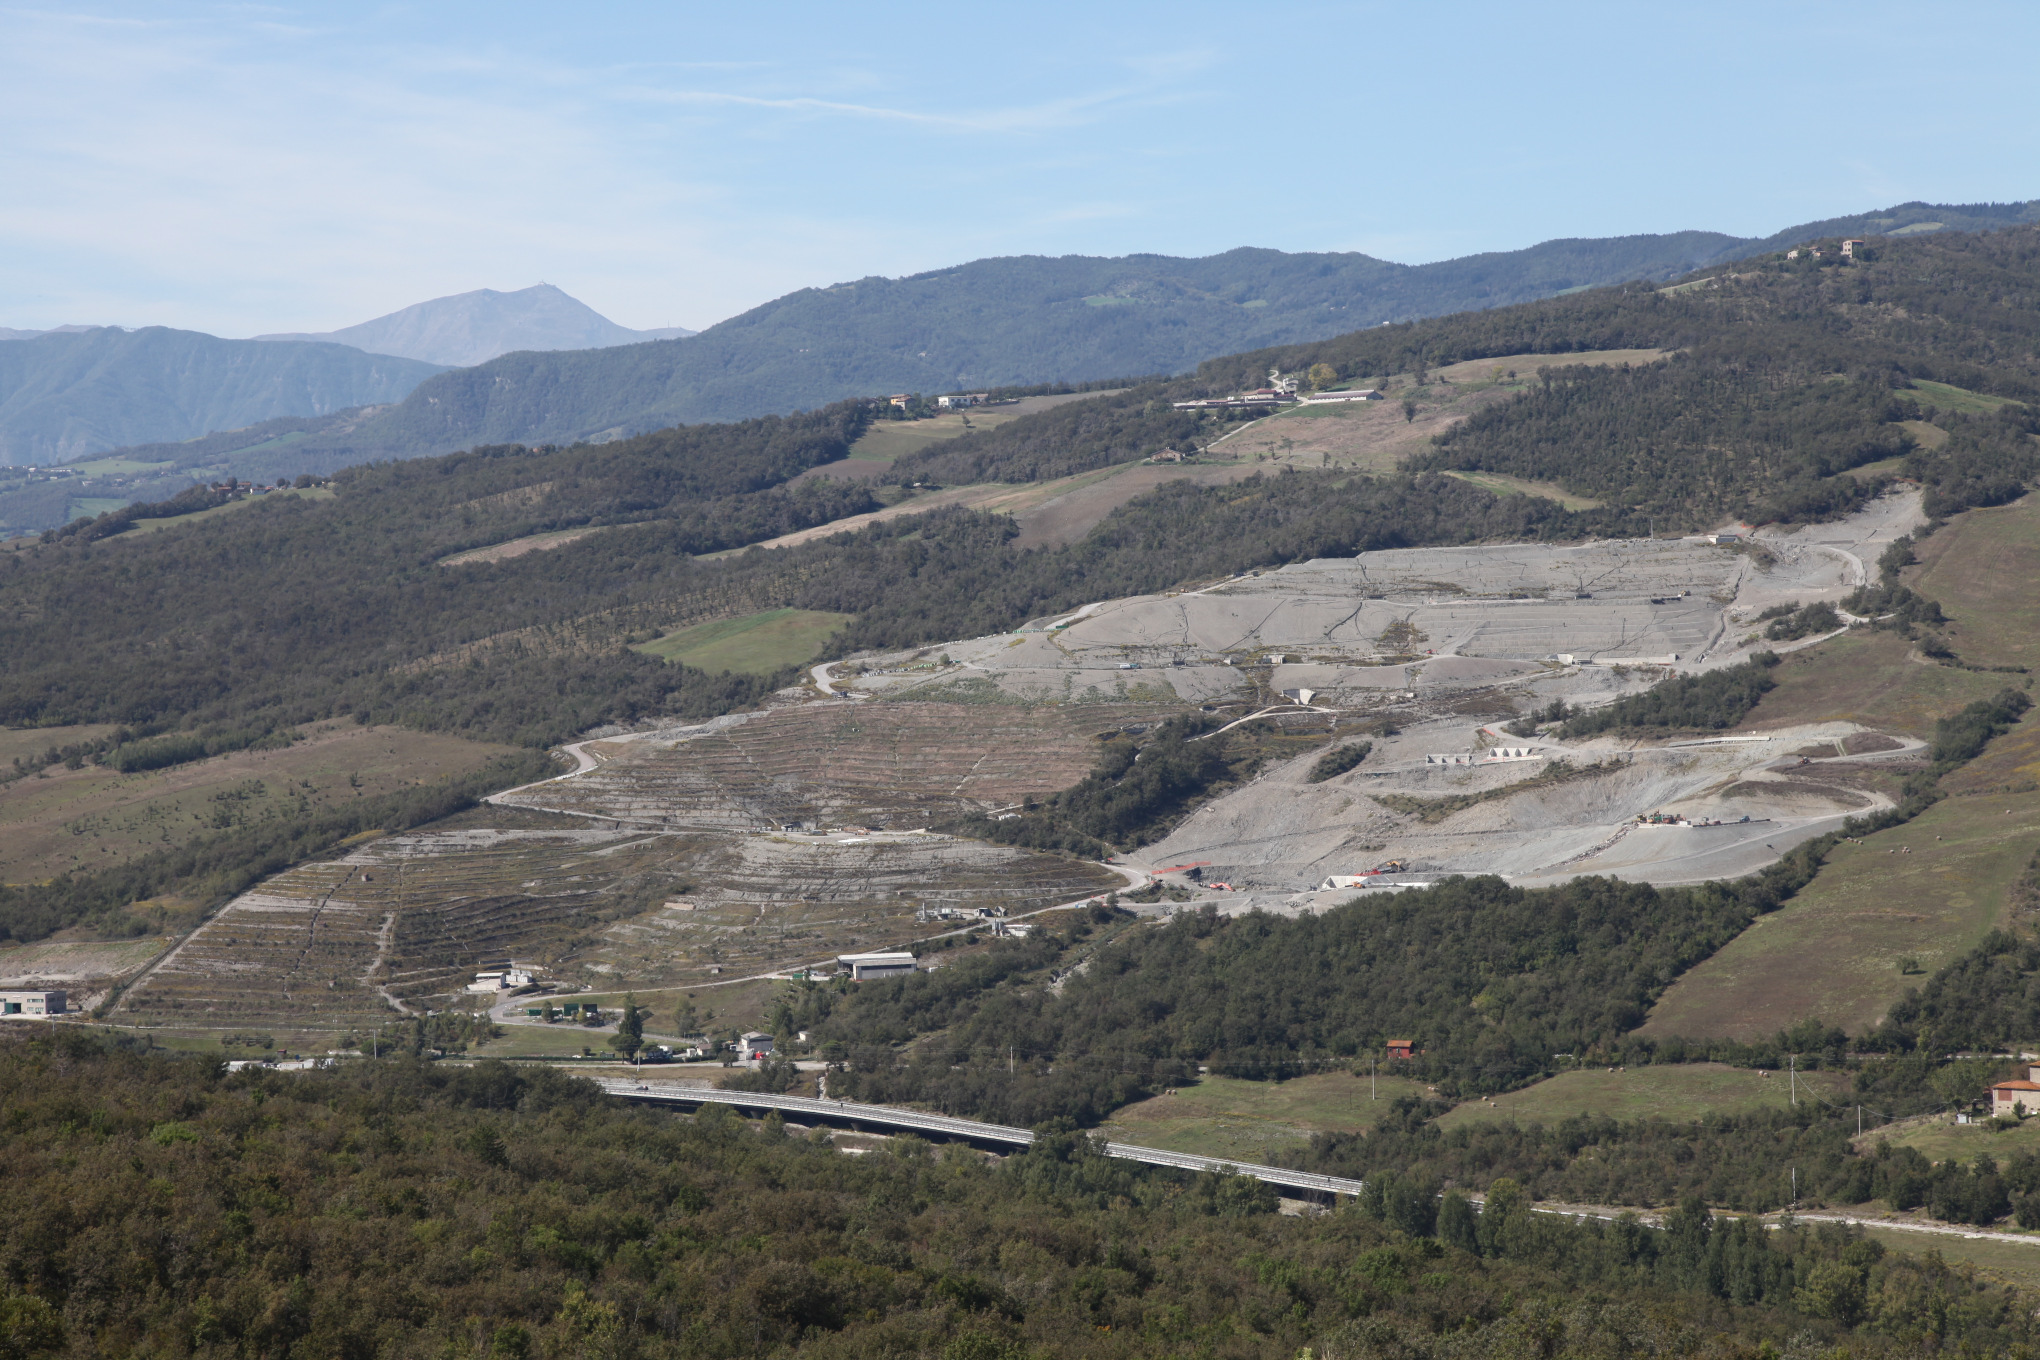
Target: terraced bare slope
895	765
771	902
401	924
1477	616
351	941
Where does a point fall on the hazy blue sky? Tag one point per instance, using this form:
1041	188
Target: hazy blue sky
247	167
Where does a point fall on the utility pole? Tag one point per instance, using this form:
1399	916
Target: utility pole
1859	1121
1795	1188
1795	1084
1371	1065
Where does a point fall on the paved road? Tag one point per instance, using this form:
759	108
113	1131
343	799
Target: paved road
583	762
673	1093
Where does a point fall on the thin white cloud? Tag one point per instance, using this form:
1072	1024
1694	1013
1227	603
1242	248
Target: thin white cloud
239	172
1058	113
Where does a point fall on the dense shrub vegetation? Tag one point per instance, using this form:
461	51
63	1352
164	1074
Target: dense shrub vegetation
1130	798
1962	735
1984	1000
1491	980
1806	621
1337	761
1709	701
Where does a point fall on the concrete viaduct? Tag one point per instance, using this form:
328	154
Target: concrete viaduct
856	1116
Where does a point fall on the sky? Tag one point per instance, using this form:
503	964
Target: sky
241	168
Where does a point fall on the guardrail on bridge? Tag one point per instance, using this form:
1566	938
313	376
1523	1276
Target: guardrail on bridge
849	1111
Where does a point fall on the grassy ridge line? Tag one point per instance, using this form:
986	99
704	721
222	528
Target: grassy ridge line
757	644
215	869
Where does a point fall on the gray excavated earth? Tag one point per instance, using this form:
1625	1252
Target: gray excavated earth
1479	634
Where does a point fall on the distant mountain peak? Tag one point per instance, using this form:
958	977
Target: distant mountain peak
473	328
9	333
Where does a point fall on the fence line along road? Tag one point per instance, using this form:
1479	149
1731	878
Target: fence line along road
665	1093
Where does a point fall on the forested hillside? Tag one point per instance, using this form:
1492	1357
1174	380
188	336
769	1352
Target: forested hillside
395	1208
1785	376
67	395
1012	321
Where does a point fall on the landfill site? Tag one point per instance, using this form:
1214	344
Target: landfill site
1501	631
758	843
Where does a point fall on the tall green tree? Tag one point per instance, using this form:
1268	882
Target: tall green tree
630	1030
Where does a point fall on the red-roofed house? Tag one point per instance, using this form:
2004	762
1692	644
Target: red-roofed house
2008	1098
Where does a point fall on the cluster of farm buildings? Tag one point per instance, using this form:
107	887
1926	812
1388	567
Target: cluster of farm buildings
1282	390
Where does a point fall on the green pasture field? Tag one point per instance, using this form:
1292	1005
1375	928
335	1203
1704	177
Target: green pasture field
1945	397
16	742
1834	952
740	1006
1926	891
1517	486
2011	762
150	526
757	644
196	1043
1888	467
558	538
737	1005
1228	1117
1941	1139
1926	431
96	816
561	1040
1873	678
1495	371
890	439
92	506
1673	1091
2013	1263
118	467
1981	569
